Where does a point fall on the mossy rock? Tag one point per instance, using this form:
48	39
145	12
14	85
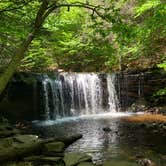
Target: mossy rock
26	138
54	147
72	159
119	163
43	159
18	164
86	164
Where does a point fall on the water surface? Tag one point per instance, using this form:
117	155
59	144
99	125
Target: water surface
123	142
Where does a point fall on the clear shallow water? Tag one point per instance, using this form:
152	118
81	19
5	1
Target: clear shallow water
123	142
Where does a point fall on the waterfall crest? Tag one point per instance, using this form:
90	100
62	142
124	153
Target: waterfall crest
75	94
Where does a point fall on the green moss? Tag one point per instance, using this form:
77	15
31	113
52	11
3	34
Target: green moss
19	164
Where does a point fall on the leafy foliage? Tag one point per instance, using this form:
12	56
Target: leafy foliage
15	22
159	96
161	92
126	35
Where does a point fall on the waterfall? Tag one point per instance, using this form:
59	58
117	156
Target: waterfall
75	94
46	97
112	96
85	92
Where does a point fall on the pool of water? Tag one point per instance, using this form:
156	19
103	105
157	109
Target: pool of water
123	142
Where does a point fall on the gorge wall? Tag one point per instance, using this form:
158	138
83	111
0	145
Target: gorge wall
25	97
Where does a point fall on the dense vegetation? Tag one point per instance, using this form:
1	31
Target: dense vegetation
82	35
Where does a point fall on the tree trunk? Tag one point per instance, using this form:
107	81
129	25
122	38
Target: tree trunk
15	62
20	52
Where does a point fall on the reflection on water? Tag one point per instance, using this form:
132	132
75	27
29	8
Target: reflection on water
123	142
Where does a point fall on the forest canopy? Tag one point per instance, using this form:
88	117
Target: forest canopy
109	36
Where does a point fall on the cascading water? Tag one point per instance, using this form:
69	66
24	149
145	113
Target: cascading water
112	98
85	92
74	94
46	97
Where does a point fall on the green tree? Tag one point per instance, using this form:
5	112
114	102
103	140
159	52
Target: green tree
43	10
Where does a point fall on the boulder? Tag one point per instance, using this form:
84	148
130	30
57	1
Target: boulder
86	164
15	141
26	138
139	105
19	164
5	143
74	158
7	131
119	163
20	146
146	162
44	159
54	148
107	129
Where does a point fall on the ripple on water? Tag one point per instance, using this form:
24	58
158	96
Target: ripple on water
122	142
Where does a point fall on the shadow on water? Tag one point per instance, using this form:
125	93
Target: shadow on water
124	141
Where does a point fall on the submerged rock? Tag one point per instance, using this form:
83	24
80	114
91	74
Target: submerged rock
107	129
72	159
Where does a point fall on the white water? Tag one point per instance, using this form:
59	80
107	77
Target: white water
112	98
85	92
92	117
46	97
78	94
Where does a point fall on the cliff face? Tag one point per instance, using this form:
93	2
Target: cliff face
24	98
132	87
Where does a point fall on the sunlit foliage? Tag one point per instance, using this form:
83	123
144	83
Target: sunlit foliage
127	35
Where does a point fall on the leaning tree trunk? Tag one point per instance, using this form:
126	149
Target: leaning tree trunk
42	14
20	52
15	62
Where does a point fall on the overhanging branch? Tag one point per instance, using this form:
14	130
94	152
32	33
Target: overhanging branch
95	9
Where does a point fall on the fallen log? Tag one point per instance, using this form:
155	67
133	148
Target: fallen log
24	149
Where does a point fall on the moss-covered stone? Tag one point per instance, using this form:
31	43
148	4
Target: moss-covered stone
55	147
26	138
72	159
43	159
86	164
119	163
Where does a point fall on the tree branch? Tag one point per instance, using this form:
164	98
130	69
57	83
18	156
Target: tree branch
10	8
95	9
